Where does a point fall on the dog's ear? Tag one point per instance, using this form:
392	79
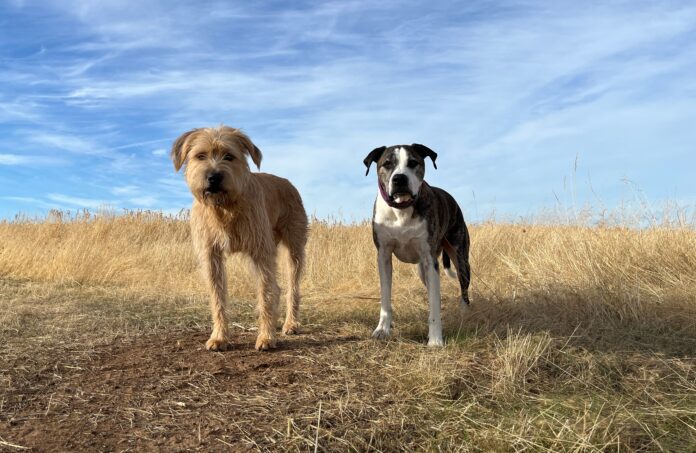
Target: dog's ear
247	144
374	156
255	154
251	149
180	149
423	151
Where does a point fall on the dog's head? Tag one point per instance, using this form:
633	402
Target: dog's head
216	162
400	169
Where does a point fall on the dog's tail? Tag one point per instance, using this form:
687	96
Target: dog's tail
447	264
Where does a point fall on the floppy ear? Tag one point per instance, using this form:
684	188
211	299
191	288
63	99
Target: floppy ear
180	149
374	156
256	155
423	151
249	146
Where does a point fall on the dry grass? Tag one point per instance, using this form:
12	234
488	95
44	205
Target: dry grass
579	339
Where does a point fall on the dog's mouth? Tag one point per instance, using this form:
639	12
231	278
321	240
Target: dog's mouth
401	197
213	196
212	191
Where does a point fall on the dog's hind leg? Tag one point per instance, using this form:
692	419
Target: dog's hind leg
423	274
446	261
464	271
268	294
456	248
295	265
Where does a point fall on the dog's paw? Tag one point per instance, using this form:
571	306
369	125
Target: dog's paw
217	344
291	328
380	334
435	342
464	306
264	343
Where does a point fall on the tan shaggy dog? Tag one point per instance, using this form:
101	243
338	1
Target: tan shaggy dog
235	210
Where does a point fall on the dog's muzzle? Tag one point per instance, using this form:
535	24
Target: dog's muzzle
391	199
214	183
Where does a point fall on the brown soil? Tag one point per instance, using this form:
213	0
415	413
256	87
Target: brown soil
166	392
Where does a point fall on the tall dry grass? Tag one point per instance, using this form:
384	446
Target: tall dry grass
529	277
618	266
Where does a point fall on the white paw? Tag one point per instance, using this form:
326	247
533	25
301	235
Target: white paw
463	307
380	333
435	342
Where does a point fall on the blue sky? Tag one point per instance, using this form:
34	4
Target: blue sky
509	94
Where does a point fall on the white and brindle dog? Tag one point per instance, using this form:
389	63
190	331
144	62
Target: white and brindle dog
416	222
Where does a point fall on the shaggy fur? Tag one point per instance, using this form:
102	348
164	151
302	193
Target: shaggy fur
235	210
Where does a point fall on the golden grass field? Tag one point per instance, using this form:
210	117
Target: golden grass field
578	339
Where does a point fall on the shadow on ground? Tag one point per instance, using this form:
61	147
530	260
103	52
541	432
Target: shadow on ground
589	319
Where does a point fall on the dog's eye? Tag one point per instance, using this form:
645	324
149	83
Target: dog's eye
388	164
412	163
201	156
228	156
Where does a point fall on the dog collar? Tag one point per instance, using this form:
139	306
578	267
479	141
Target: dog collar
387	199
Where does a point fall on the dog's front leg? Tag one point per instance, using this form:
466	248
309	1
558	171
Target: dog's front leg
433	284
384	262
268	299
212	260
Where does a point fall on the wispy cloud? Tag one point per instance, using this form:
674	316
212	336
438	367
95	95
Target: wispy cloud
65	142
125	190
12	159
79	202
23	199
147	201
141	144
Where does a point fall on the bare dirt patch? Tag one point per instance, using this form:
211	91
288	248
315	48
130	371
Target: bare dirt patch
165	391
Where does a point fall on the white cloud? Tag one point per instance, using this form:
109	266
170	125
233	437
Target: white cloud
22	199
24	110
159	152
146	201
125	190
141	144
12	159
173	185
66	142
80	202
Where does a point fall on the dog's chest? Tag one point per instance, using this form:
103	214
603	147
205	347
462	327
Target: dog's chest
222	230
399	231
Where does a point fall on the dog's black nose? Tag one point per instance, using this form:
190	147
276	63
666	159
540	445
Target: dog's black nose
214	179
400	180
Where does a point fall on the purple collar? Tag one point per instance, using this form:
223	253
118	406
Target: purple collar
387	199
